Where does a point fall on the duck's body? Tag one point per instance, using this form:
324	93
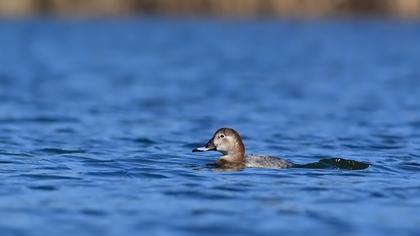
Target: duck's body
229	143
258	161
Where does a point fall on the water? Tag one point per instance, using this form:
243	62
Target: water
98	119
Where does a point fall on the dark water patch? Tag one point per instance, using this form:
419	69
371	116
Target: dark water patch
101	164
390	138
13	159
415	123
146	169
146	175
20	154
12	231
65	130
315	189
376	194
39	120
208	195
410	166
328	219
415	155
354	146
191	184
328	146
383	167
354	173
152	103
48	177
43	187
216	228
11	143
402	192
107	173
93	212
55	167
59	151
9	162
386	146
145	141
369	145
230	188
210	211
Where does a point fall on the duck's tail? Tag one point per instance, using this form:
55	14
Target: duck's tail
335	163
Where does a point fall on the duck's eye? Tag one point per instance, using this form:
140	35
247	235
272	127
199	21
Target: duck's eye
222	136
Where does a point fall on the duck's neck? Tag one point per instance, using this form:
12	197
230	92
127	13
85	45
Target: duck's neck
233	157
232	161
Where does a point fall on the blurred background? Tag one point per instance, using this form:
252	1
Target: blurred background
297	8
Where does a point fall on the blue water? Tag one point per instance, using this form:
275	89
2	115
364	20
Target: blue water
98	119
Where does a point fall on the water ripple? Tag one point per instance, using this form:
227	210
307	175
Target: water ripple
45	119
48	177
58	151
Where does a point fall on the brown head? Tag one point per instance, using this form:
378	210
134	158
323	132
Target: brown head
228	142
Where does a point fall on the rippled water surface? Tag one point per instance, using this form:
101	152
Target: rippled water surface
98	119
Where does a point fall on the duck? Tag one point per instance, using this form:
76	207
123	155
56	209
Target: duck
229	143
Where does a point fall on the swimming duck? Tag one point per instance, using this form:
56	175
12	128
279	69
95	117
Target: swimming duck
228	142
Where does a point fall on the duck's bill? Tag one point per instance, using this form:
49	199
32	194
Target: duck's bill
208	147
201	149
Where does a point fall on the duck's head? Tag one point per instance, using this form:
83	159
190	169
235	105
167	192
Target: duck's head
225	140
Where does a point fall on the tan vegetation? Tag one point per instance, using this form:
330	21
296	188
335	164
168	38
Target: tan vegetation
296	8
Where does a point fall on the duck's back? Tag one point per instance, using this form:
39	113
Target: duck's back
258	161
